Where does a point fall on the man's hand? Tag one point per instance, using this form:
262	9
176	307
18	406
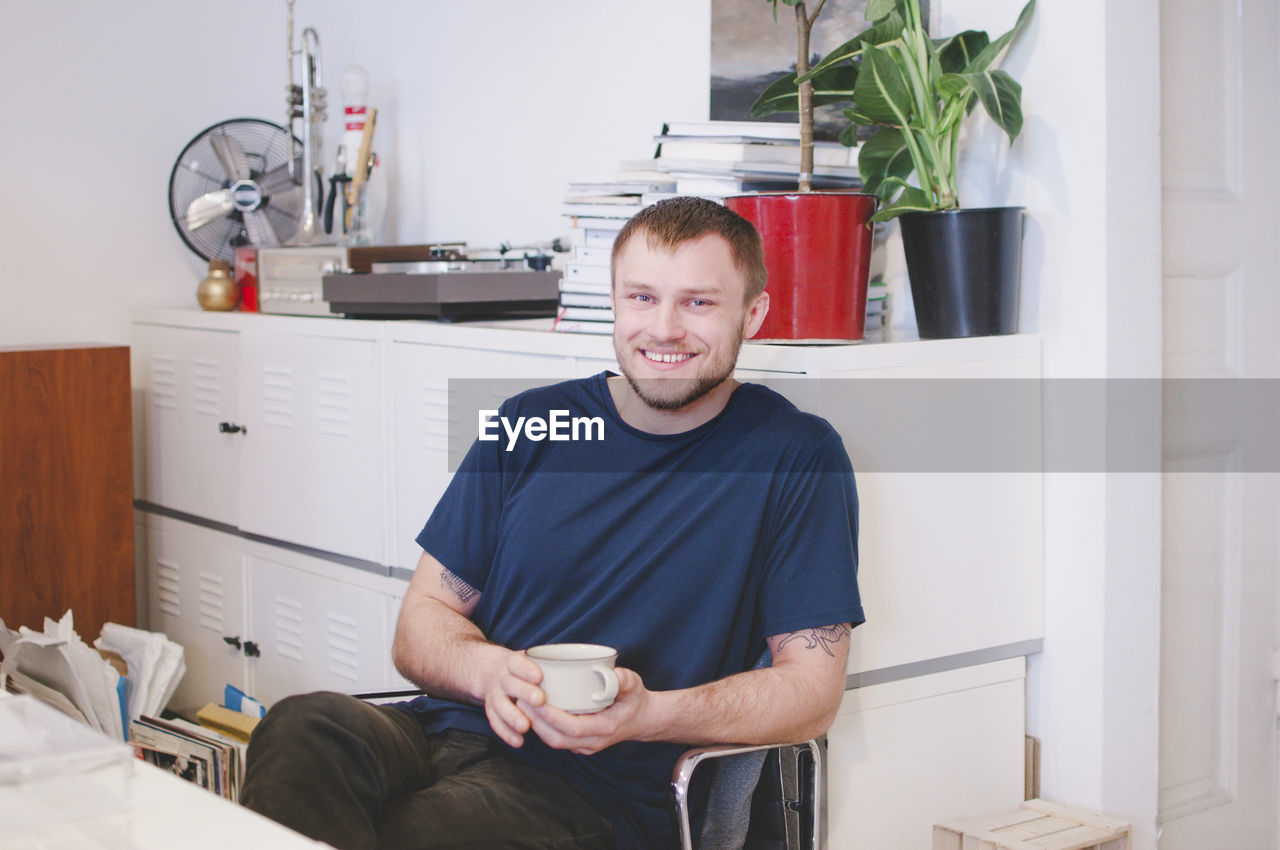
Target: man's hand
586	734
510	696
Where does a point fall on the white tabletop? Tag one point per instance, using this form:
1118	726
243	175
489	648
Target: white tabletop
164	812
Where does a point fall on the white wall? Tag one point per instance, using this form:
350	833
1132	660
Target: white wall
487	109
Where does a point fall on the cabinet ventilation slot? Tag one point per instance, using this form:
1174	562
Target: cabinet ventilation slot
288	627
164	382
333	394
344	647
435	415
212	597
206	388
168	588
277	396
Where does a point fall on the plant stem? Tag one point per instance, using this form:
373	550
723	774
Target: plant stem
804	24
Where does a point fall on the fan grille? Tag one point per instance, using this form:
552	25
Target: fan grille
199	174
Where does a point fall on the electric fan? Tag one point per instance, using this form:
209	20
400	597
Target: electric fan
233	185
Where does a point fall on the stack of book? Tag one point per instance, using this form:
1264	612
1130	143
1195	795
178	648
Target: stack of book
721	158
709	159
596	212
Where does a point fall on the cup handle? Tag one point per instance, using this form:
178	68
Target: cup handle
610	681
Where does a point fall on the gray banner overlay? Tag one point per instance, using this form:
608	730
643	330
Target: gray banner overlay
981	425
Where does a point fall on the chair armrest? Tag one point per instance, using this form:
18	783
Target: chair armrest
690	760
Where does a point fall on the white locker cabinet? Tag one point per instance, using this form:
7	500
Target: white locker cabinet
906	754
268	620
189	419
311	464
197	585
303	511
276	434
314	633
423	416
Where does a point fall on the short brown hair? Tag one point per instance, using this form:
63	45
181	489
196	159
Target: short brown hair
673	221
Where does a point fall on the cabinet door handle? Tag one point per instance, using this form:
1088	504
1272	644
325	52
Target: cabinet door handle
251	649
231	428
232	641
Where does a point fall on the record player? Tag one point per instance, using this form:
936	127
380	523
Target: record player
441	281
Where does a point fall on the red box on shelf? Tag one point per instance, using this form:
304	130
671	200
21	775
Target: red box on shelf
246	274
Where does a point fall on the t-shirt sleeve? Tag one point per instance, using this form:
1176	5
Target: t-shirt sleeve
462	531
811	573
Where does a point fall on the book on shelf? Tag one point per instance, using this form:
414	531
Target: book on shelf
592	255
751	129
654	182
603	328
608	211
735	149
586	287
596	222
581	272
758	170
592	237
587	320
597	300
586	314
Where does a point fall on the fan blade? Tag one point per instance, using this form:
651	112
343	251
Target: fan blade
278	179
259	228
208	207
231	155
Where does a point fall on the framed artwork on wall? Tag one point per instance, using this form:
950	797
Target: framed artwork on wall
749	50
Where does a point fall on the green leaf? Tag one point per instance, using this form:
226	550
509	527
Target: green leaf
912	199
877	9
957	52
952	86
882	32
782	95
884	162
1001	96
882	92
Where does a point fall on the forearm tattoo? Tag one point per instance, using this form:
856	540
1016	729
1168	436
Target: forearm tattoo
823	637
457	586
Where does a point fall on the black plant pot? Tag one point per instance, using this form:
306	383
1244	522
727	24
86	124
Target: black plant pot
965	270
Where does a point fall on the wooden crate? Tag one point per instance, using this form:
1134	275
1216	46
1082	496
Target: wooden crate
1036	825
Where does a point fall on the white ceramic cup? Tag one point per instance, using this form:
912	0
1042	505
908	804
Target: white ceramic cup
577	677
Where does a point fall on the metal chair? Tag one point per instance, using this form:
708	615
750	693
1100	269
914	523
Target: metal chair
788	805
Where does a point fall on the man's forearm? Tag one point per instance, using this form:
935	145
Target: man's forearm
770	706
442	651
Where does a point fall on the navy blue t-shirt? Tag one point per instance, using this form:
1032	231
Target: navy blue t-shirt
682	551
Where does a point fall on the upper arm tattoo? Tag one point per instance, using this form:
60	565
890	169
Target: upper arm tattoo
822	637
457	586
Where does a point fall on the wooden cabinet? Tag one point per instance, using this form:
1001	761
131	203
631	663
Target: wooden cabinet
66	517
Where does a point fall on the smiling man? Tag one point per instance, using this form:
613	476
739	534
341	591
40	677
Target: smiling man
714	522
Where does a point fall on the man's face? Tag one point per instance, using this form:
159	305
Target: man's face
679	318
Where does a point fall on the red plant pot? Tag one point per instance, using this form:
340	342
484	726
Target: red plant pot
817	248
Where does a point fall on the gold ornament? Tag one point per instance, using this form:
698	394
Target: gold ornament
218	291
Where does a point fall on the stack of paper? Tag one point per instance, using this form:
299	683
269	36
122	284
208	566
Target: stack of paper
59	668
204	756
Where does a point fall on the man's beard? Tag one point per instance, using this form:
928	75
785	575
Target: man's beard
675	393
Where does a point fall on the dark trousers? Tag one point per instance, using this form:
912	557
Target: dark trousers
361	776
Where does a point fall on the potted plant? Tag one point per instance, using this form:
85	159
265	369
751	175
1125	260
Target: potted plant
915	92
817	245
